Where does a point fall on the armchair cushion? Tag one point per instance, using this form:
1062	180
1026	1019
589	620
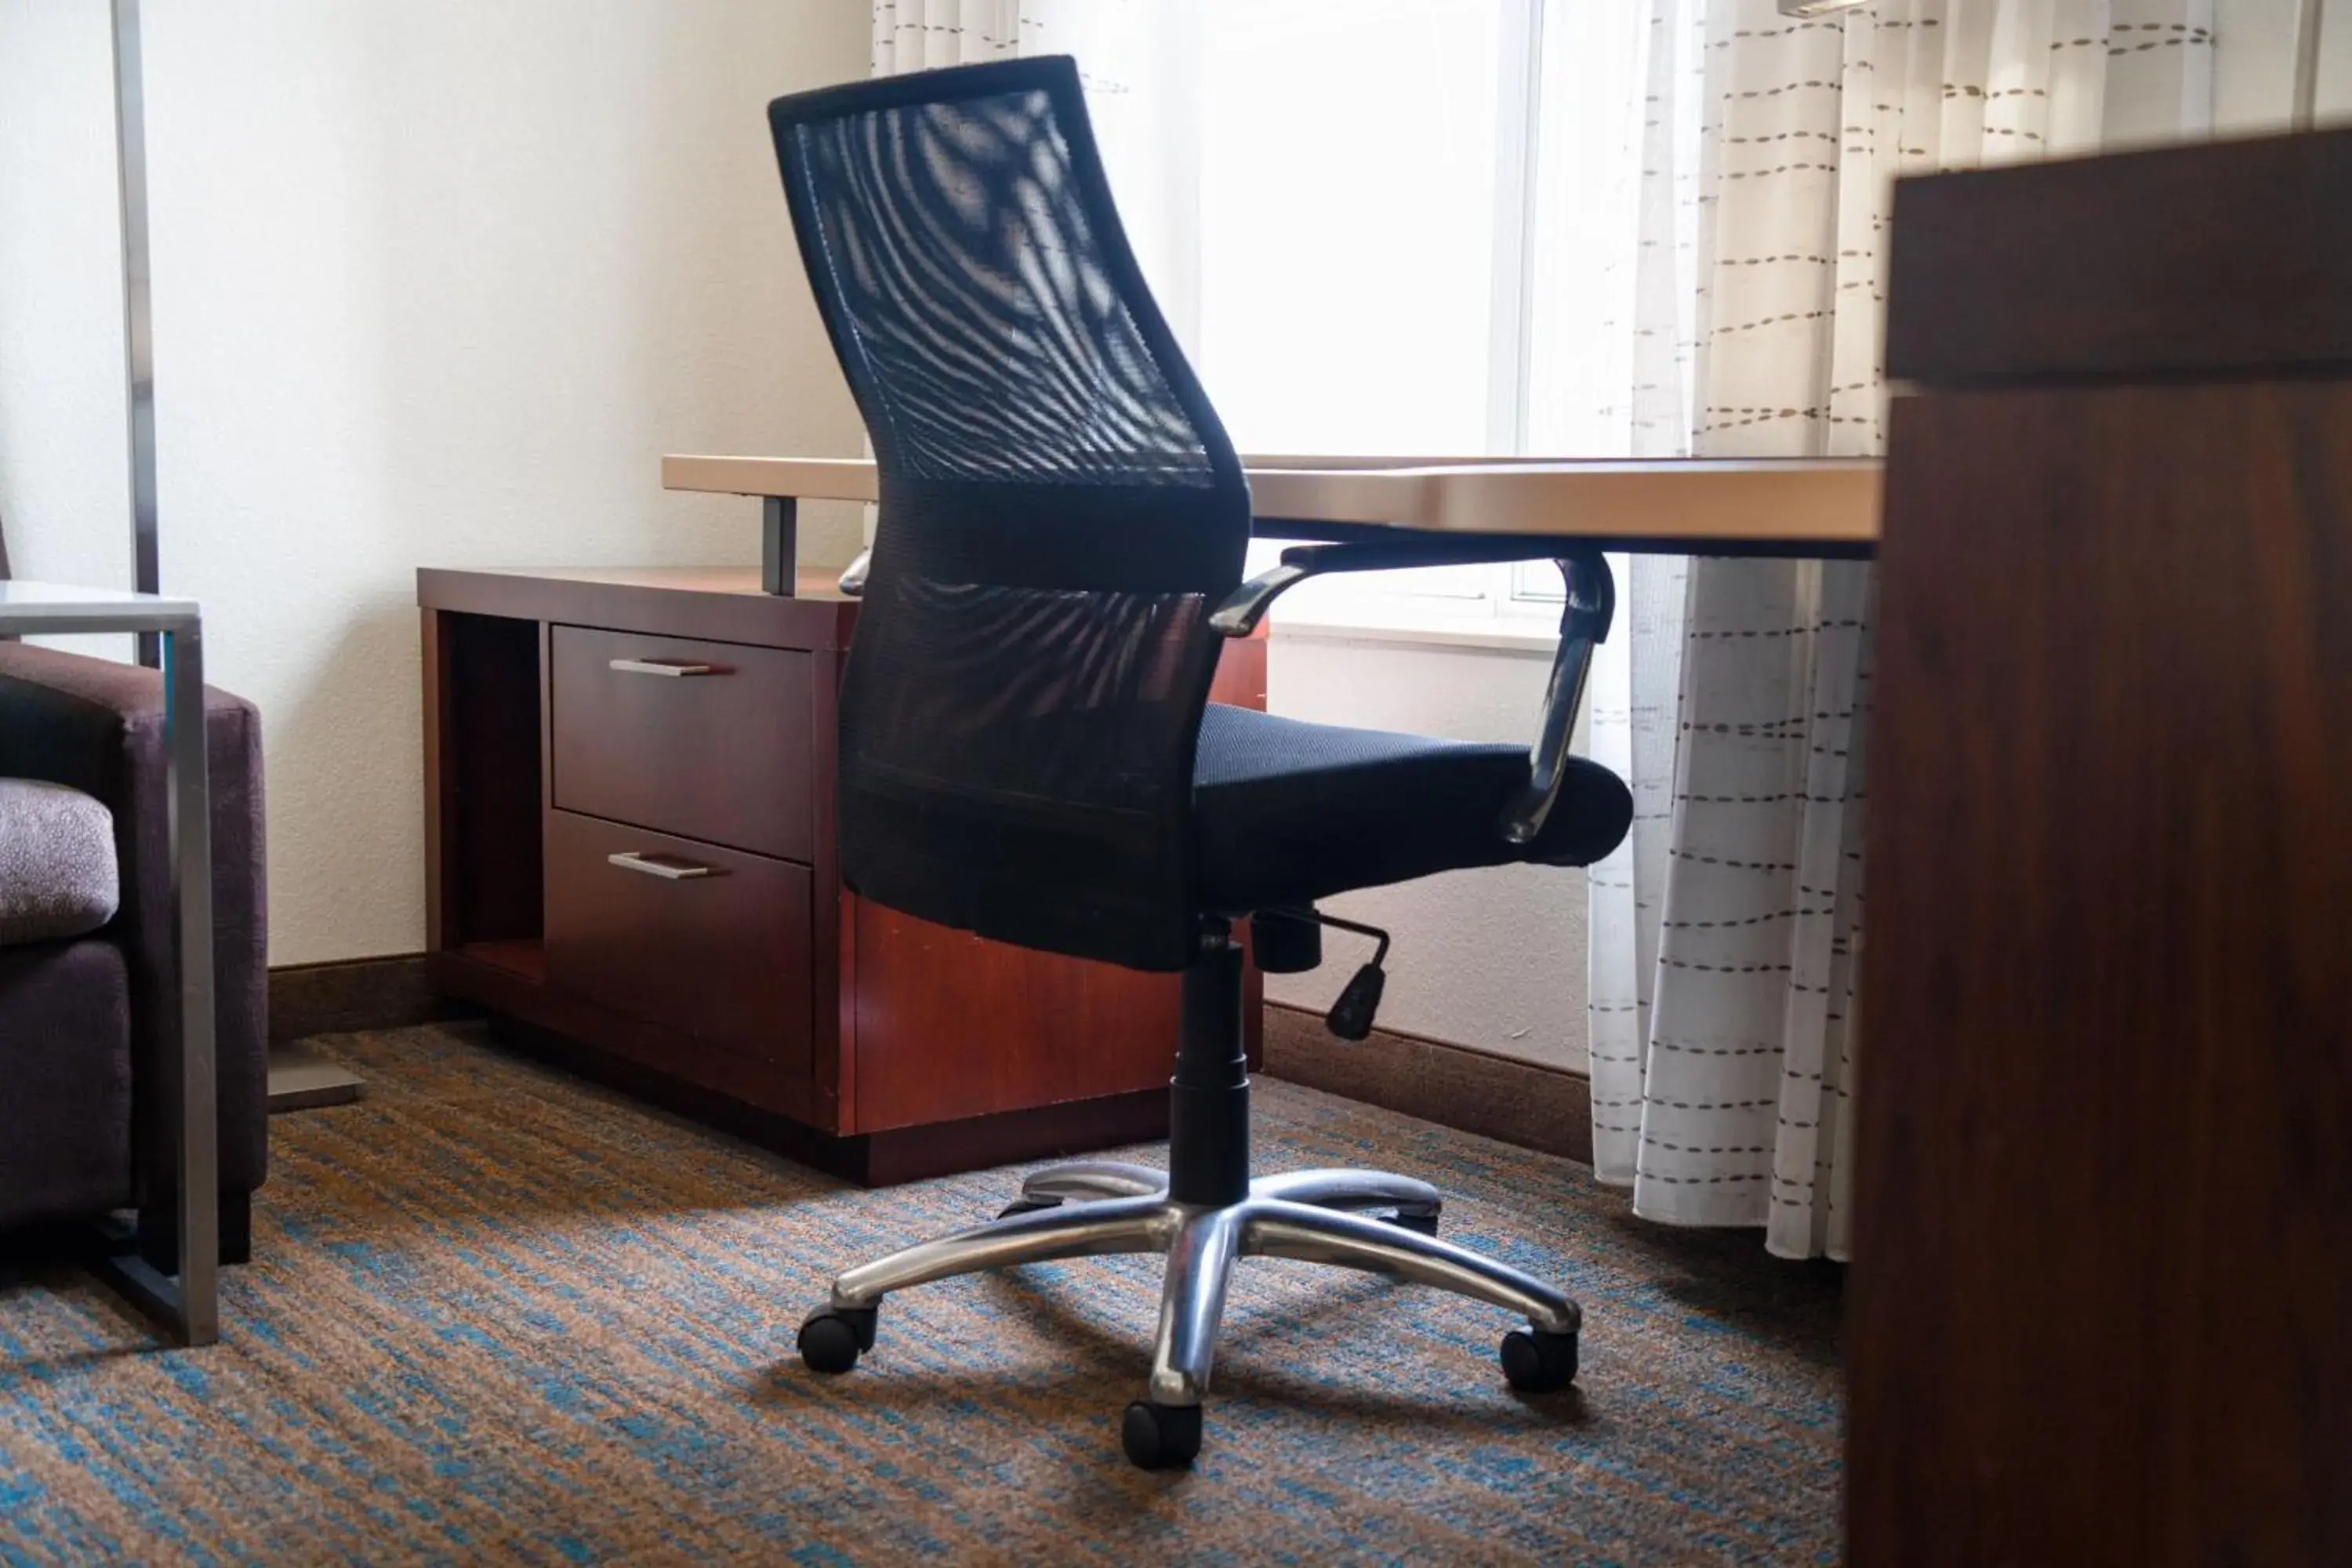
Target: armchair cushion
65	1060
57	862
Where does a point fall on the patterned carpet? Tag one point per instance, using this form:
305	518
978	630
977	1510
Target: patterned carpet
499	1316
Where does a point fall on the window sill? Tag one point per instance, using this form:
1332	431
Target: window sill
1531	635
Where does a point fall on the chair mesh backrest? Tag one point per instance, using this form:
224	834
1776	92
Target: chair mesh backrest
1060	510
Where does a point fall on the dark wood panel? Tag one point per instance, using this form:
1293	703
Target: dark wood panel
948	1024
951	1025
723	756
439	776
654	1052
722	957
1057	1131
527	959
482	787
881	1158
2104	1199
2233	257
717	601
833	1078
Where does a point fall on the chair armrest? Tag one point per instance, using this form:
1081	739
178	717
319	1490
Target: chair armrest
1247	604
98	726
1584	618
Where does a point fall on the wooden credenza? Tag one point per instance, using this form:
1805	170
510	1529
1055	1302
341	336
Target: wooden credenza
630	862
2101	1304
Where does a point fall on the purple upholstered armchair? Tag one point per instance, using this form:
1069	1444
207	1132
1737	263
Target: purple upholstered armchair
86	987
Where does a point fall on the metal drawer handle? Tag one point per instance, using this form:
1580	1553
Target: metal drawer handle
672	667
669	867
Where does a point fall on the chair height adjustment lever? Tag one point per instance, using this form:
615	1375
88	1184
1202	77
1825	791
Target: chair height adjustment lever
1350	1017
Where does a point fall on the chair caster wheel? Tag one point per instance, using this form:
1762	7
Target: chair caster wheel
1536	1361
1425	1223
835	1337
1027	1205
1160	1436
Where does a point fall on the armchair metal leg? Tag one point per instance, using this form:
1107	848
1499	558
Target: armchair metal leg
1275	1229
1079	1230
1081	1180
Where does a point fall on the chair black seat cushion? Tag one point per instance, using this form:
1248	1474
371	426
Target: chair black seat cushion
1286	812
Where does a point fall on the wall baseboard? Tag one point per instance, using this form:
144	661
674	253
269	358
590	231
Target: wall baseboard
1535	1106
307	999
1518	1103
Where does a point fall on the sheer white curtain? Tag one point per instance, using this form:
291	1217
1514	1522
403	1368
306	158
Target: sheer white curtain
924	35
1139	60
1727	930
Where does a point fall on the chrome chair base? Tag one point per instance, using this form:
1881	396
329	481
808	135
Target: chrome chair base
1095	1207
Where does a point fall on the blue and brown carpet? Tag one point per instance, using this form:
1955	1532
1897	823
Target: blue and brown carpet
496	1315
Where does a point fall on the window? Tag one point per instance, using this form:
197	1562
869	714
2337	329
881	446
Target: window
1414	220
1348	199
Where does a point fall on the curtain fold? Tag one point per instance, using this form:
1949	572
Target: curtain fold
1140	62
1728	930
925	35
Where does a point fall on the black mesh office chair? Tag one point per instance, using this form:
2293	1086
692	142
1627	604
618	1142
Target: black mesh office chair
1027	748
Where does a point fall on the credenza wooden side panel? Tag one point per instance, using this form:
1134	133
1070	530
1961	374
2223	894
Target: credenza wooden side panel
2101	1309
482	778
950	1025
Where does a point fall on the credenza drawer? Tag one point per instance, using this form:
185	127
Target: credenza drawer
707	940
707	739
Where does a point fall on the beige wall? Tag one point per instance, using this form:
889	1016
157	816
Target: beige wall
1492	958
436	282
2254	65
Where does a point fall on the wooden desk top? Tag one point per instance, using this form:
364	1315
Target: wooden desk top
1794	506
722	602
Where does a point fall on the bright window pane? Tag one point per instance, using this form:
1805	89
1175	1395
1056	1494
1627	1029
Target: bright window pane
1347	223
1585	228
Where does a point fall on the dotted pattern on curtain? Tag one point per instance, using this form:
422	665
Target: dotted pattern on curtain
1727	930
